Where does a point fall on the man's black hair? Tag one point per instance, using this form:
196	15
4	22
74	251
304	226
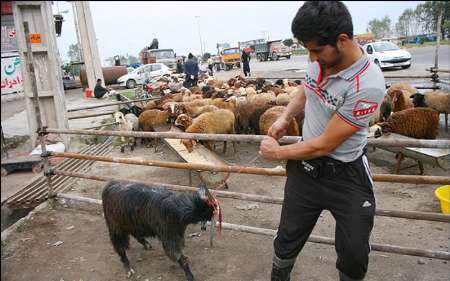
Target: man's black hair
190	56
99	80
322	22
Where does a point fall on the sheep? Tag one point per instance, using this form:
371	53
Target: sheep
255	116
142	211
271	115
383	111
151	118
125	125
420	123
183	121
407	90
400	100
229	104
438	101
283	99
220	121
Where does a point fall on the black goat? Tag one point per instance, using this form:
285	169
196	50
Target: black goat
143	211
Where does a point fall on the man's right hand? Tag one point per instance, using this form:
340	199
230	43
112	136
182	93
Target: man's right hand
278	129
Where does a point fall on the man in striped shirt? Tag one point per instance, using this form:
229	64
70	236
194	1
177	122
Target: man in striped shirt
328	170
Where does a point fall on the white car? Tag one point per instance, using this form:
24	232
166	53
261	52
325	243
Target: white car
143	73
387	54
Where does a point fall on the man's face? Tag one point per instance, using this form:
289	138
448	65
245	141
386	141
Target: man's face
326	55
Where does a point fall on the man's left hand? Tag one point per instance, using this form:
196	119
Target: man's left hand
269	148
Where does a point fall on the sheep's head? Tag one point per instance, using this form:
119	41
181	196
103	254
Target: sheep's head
118	116
183	121
375	131
418	100
189	144
204	212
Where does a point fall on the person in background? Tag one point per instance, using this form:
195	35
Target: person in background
179	66
191	70
245	58
102	92
210	66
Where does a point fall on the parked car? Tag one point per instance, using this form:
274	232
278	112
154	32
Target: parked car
387	54
69	82
142	74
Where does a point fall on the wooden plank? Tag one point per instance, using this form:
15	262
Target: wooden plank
200	154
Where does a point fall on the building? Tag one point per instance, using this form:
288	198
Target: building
11	76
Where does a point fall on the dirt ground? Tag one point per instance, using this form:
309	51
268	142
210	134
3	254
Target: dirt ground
86	253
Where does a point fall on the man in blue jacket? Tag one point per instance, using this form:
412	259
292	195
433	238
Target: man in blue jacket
191	70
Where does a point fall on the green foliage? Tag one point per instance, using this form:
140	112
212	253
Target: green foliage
380	28
428	14
74	53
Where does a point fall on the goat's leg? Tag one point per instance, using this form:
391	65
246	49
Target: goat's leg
184	264
121	243
174	252
144	242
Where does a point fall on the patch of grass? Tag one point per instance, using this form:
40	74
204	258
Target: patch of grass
425	44
4	244
299	52
128	93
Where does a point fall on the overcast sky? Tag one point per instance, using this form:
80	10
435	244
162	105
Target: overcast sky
126	27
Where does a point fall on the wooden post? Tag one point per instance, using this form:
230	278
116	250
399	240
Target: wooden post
37	108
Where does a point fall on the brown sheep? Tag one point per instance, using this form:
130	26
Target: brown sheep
438	101
407	91
183	121
383	111
271	115
152	118
400	100
419	123
256	115
216	122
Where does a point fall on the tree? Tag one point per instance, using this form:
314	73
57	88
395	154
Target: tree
74	52
380	28
408	23
288	42
428	14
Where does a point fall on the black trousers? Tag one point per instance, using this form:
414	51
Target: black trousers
345	189
246	68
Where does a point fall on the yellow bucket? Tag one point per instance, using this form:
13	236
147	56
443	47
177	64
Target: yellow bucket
443	194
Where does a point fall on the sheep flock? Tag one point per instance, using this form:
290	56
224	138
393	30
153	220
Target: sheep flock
250	106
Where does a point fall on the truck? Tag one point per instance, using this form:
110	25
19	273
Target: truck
231	57
272	50
165	56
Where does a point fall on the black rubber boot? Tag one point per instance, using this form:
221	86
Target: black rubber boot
281	274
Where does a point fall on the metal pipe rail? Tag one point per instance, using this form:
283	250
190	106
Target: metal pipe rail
427	216
387	76
91	115
110	104
247	138
241	169
312	238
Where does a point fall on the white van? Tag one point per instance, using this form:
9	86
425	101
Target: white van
143	73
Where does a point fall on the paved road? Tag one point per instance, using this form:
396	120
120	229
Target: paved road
422	58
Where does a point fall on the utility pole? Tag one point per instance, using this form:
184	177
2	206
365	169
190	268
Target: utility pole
199	34
88	43
438	39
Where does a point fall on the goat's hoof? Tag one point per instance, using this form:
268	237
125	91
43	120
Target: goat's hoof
130	272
